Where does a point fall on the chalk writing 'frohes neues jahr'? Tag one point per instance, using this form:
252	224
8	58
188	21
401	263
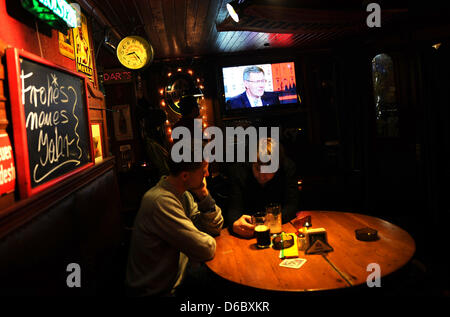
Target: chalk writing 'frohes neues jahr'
44	117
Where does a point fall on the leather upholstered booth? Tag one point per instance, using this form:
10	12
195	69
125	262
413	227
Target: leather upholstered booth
76	221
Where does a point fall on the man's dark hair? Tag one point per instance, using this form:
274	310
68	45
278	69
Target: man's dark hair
175	168
187	104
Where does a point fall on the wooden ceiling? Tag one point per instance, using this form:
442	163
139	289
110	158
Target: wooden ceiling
189	28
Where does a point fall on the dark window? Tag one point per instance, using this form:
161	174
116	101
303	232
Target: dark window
385	97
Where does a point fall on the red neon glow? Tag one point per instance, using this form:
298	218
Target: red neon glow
281	39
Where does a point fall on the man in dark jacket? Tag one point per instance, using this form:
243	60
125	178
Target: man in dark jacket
251	191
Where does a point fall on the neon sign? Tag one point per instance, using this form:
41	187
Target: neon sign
58	14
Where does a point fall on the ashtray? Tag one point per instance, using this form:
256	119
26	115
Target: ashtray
279	244
366	234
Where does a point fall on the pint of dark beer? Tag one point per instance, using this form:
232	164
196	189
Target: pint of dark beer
262	233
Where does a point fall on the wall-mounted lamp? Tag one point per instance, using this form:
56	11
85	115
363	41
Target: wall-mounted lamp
234	7
109	43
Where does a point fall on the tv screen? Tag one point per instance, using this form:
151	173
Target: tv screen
259	85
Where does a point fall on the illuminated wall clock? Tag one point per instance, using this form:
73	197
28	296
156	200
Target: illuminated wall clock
134	52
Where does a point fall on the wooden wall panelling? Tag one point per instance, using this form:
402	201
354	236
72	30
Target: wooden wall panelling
25	210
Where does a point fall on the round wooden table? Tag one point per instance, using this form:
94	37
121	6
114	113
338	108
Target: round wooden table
238	260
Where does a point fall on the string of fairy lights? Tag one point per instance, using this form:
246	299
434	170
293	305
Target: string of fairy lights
172	115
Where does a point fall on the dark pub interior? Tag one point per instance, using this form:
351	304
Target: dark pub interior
346	97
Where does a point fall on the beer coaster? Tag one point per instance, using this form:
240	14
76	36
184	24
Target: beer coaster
293	263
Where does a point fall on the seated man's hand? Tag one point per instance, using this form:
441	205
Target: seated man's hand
201	192
244	227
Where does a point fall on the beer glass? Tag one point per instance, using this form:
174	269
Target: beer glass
273	218
262	231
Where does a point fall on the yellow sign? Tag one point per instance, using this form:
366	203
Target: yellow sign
66	44
83	54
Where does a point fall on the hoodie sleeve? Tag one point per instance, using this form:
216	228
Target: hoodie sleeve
205	215
173	225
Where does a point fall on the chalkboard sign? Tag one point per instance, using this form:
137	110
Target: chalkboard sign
52	138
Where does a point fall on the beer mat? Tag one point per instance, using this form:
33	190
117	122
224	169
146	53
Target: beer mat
293	263
291	252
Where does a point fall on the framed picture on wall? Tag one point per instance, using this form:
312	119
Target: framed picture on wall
126	157
66	44
97	141
123	129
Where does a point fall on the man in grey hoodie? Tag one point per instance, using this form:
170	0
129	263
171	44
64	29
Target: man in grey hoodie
174	224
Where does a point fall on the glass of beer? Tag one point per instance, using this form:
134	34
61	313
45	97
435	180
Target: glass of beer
262	231
273	218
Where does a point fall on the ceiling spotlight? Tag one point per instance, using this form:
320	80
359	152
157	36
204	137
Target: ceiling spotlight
436	46
233	8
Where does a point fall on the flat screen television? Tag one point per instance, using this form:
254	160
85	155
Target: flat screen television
259	86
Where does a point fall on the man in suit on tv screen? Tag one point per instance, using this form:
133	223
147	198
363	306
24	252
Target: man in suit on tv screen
254	94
